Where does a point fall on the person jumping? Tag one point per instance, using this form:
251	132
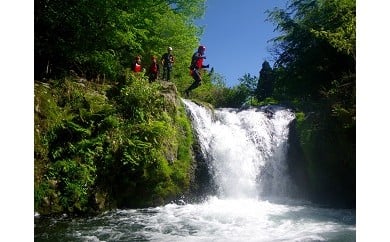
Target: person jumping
196	67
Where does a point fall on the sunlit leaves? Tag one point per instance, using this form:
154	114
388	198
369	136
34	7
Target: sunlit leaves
336	23
98	37
315	73
317	46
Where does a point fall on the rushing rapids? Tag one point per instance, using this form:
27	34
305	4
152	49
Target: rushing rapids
245	153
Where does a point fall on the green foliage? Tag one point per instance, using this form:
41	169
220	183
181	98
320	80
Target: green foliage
98	39
96	62
267	101
336	24
215	92
184	135
301	73
47	115
315	74
133	146
135	100
74	179
131	140
84	131
315	69
331	148
265	83
207	89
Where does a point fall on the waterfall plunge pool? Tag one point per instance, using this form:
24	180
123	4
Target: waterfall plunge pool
246	154
213	220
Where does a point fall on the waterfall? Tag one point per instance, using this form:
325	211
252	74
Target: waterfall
245	149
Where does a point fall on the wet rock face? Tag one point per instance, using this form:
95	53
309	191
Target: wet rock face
169	91
296	162
202	184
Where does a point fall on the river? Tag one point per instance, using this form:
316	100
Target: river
213	220
254	196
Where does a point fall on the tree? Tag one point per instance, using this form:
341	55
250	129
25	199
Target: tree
315	73
316	51
264	87
245	90
98	37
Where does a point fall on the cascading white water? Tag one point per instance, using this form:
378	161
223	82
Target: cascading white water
245	149
246	154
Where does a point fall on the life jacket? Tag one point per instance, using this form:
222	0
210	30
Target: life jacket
197	61
153	68
137	67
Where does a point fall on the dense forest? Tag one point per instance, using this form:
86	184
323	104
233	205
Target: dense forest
315	74
105	137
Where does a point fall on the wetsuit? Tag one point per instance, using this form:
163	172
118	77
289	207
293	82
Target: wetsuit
196	66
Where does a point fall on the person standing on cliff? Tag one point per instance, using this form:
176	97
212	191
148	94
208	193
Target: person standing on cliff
167	61
136	64
196	67
153	70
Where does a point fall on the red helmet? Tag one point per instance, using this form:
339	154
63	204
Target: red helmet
201	48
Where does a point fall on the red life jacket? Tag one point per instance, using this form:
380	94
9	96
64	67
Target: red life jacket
153	68
196	61
199	63
137	67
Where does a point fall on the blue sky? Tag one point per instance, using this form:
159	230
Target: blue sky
236	34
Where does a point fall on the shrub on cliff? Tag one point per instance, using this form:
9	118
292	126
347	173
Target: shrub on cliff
93	152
